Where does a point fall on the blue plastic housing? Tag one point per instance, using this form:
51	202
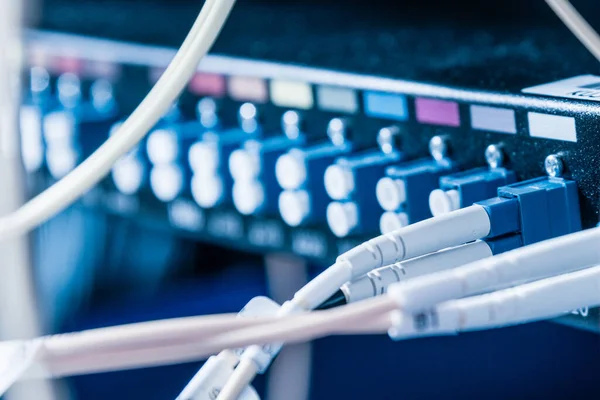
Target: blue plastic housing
420	177
316	160
224	143
477	184
367	168
537	209
268	151
505	243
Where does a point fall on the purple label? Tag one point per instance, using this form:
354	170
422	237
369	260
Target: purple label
437	112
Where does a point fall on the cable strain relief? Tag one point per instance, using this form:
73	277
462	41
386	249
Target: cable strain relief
262	356
391	248
396	293
323	286
418	294
406	326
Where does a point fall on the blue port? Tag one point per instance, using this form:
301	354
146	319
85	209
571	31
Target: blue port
167	144
351	182
404	191
252	166
462	189
65	144
386	105
300	172
505	243
170	142
167	148
537	209
209	161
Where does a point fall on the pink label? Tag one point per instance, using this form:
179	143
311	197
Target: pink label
61	65
248	89
437	112
208	84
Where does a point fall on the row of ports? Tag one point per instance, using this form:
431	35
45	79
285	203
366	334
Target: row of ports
305	182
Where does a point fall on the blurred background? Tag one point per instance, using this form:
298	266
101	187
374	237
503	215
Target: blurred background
99	266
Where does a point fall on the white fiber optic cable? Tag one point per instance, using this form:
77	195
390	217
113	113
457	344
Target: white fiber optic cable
376	282
448	230
213	368
163	94
242	375
146	334
548	258
537	261
524	303
529	301
577	25
56	357
539	300
357	318
540	260
552	257
213	374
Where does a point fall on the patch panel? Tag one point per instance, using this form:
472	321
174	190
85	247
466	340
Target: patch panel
479	110
363	104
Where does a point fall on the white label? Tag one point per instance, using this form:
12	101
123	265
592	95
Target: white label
226	225
555	127
265	234
583	87
584	311
186	215
259	306
309	243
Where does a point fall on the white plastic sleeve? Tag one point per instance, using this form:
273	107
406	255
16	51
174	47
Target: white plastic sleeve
324	285
537	261
448	230
376	282
539	300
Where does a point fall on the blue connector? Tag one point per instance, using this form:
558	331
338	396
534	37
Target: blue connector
169	181
209	162
300	173
462	189
403	192
65	143
166	145
167	149
352	183
537	209
170	142
255	187
504	243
